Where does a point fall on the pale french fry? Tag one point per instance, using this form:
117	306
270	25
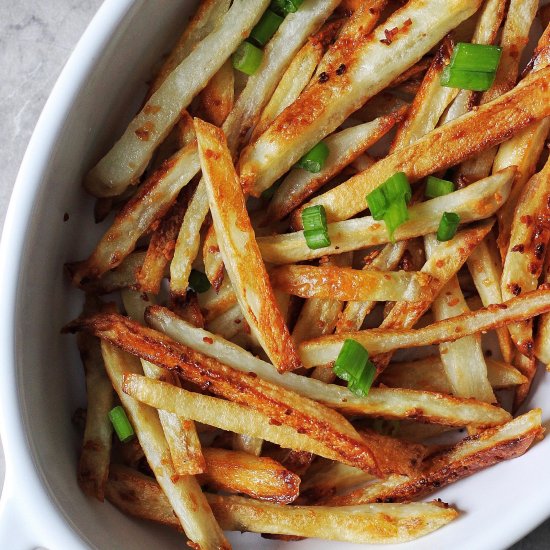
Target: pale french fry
445	146
486	271
239	250
346	284
184	494
282	406
381	104
238	472
528	367
229	323
428	374
114	173
391	403
207	17
325	349
140	496
247	444
344	147
542	339
216	100
465	458
372	63
475	202
150	203
277	55
214	303
213	263
529	237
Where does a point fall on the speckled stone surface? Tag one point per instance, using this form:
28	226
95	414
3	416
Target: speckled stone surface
36	39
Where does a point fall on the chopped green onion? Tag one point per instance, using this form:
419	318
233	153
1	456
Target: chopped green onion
377	202
436	187
397	187
314	217
247	58
475	57
317	238
314	160
284	7
447	226
353	366
362	386
395	215
121	424
265	28
466	80
267	195
198	281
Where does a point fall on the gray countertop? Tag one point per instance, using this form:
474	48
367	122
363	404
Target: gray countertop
36	38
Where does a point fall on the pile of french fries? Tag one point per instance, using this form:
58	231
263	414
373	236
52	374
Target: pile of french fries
240	422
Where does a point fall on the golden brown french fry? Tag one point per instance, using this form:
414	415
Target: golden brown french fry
428	374
216	100
342	283
528	367
239	250
325	349
149	204
445	146
529	237
467	457
475	202
344	147
371	61
114	173
238	472
384	402
213	263
184	494
139	496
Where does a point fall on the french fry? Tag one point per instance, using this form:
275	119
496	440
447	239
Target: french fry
486	271
344	147
213	263
475	202
247	444
445	146
465	458
325	349
216	100
184	494
528	367
278	404
238	472
149	204
229	323
542	339
277	56
214	303
114	173
371	62
385	402
140	496
239	250
428	374
347	284
529	237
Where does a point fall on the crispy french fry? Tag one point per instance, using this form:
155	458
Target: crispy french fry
149	204
344	147
216	100
213	263
229	323
239	250
114	173
465	458
140	496
385	402
529	237
325	349
542	340
445	146
428	374
184	494
238	472
528	367
214	303
346	284
371	62
475	202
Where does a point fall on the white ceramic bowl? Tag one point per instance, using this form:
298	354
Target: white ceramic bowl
41	382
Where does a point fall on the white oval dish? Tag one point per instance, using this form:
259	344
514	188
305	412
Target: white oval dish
41	382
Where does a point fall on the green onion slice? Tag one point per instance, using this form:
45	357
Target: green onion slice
317	238
284	7
395	215
353	366
475	57
314	160
447	226
266	27
466	80
121	424
314	217
362	386
397	187
377	202
436	187
247	58
198	281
